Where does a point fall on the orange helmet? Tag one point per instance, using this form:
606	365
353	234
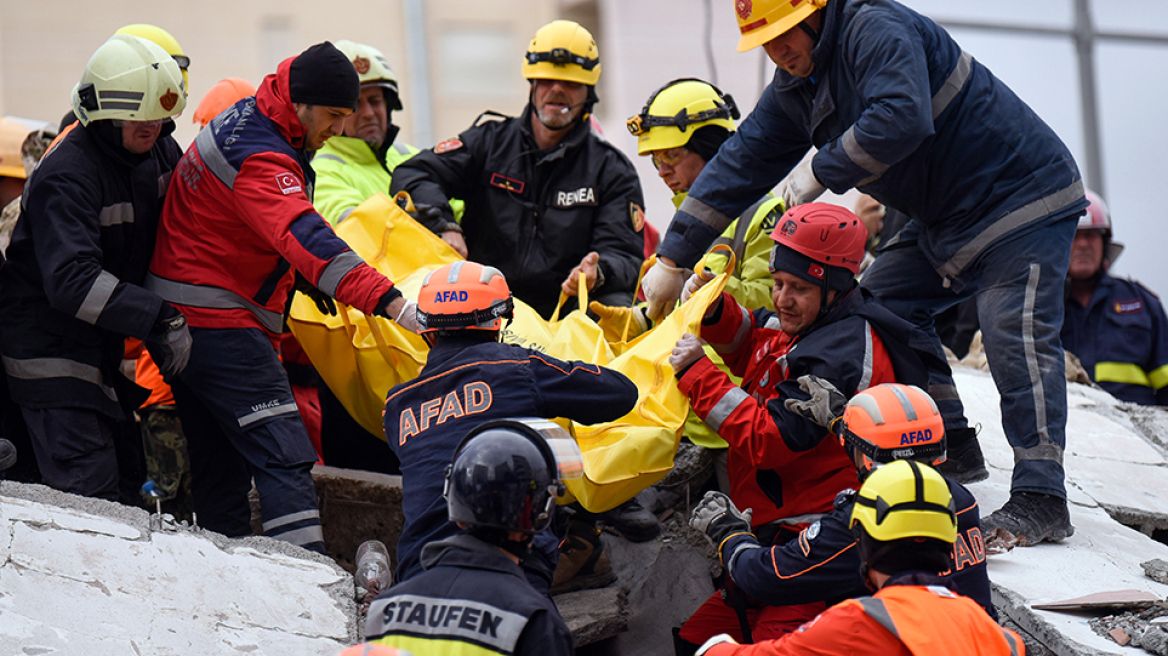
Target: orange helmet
224	94
463	296
821	243
370	649
893	422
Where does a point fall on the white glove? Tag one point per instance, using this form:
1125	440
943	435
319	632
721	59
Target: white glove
662	286
716	640
801	186
408	317
687	351
695	282
826	402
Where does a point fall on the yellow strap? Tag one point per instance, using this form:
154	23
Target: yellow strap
581	293
713	252
1159	377
1125	372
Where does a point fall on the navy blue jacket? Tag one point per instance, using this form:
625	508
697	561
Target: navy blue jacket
463	386
823	562
470	600
1121	337
898	111
71	291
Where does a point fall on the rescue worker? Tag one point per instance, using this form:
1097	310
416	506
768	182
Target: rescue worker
237	226
1116	327
877	426
780	464
905	521
471	377
224	94
72	289
358	163
680	128
500	490
897	110
544	193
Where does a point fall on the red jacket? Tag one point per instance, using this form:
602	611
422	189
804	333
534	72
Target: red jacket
779	475
926	620
238	221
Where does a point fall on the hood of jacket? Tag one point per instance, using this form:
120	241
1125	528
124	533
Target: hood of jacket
275	101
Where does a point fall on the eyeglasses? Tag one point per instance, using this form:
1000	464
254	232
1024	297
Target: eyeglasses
671	156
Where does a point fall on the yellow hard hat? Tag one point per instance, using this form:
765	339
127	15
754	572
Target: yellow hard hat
760	21
906	499
372	68
675	111
563	50
13	134
129	78
164	39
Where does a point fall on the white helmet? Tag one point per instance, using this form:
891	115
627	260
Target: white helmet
129	78
372	68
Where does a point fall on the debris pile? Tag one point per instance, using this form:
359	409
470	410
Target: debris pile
1147	628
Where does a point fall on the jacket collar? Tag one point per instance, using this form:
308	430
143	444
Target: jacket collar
275	101
465	550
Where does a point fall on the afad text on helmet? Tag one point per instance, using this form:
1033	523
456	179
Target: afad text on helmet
916	437
476	398
450	296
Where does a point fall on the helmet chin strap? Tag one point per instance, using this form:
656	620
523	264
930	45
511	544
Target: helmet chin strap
586	104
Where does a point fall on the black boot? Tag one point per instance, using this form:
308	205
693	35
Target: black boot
965	463
1031	517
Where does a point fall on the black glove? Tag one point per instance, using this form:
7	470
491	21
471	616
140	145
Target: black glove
718	518
169	342
323	301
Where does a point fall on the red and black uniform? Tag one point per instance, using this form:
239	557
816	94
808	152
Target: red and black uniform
463	385
823	564
237	224
779	462
914	614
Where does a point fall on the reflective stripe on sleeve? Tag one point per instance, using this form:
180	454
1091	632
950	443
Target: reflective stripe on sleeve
1126	373
116	214
290	518
705	213
861	157
99	295
213	158
953	84
332	275
726	405
47	368
866	375
739	336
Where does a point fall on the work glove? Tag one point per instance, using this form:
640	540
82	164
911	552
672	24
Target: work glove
695	282
801	186
721	638
398	309
612	320
323	301
717	517
662	286
825	405
169	342
688	350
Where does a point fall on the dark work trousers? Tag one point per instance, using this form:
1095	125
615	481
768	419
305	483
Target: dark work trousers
241	422
75	450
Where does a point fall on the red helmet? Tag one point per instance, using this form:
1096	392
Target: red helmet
893	422
1097	216
821	243
463	296
224	94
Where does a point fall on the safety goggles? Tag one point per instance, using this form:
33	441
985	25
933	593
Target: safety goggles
183	61
562	57
670	156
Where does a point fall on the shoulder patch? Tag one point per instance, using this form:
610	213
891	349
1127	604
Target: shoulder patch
806	536
637	216
453	143
288	183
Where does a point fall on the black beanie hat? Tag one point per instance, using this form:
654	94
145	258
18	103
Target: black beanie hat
706	141
323	75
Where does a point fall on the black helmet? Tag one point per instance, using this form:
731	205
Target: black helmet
504	476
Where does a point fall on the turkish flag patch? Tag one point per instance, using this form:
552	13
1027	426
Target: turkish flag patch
288	183
815	271
453	143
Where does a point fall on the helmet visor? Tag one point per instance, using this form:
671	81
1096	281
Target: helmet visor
569	459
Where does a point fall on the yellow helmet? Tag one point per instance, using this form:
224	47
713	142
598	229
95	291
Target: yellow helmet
906	499
164	39
129	78
372	68
14	133
675	111
760	21
563	50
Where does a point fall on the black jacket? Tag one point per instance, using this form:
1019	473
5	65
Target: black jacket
535	215
470	600
71	291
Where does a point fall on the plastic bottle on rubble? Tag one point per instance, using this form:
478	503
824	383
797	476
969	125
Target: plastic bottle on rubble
373	565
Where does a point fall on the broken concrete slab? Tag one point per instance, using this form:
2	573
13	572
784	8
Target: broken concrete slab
594	615
130	588
356	506
1156	569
